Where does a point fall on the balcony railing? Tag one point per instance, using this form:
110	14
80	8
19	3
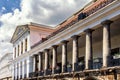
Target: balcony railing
14	78
116	60
48	71
69	68
57	70
97	63
80	66
17	77
24	75
20	76
40	73
65	68
31	74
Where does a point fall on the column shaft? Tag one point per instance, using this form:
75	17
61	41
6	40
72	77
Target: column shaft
75	51
64	55
40	61
46	59
54	62
106	42
88	54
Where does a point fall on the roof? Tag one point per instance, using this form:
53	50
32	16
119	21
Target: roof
88	10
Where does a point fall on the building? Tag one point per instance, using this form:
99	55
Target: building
24	38
6	67
86	46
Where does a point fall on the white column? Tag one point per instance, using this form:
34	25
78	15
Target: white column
64	55
16	51
88	54
75	51
40	61
54	60
27	67
46	59
106	42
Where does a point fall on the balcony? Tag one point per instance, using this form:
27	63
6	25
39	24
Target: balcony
17	77
41	73
20	76
116	62
97	63
64	68
116	59
80	66
69	67
57	70
31	75
48	71
24	75
14	78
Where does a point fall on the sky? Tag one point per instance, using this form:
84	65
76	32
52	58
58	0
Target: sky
47	12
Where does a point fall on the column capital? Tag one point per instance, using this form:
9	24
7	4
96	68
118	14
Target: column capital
75	36
64	41
54	46
106	22
88	30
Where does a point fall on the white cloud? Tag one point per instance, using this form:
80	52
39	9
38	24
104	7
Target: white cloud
48	12
3	8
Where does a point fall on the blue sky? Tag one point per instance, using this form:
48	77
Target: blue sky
7	6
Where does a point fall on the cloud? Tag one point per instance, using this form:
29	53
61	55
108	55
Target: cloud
48	12
3	8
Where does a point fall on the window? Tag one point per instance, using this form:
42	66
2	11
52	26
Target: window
26	44
15	53
18	49
21	47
